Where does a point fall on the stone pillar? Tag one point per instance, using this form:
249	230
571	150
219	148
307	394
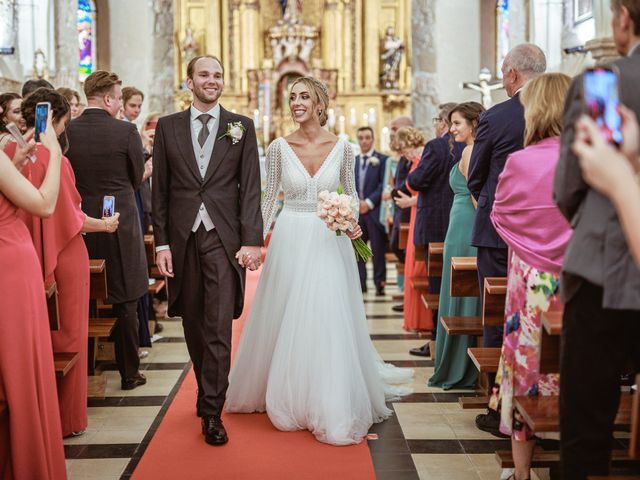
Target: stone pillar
330	38
424	95
213	39
251	35
346	72
602	48
66	44
161	91
371	46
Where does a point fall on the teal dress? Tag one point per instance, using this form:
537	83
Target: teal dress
453	368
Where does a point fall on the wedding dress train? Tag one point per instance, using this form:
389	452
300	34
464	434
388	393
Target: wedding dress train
305	356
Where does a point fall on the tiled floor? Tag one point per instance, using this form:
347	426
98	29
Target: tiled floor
429	438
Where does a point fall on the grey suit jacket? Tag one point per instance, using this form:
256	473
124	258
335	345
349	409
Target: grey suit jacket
230	192
597	251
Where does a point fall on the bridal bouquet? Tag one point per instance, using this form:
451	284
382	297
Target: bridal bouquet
335	210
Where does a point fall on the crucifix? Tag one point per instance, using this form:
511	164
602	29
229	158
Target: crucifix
484	86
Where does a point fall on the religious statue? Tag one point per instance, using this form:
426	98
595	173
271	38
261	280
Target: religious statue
305	51
278	51
290	44
484	86
393	48
189	45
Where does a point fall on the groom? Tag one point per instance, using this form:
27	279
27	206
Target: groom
207	227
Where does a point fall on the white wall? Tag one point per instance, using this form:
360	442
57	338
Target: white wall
458	48
131	44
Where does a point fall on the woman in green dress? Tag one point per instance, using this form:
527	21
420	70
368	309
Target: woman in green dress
453	368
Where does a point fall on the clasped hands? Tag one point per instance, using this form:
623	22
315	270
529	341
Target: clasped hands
249	257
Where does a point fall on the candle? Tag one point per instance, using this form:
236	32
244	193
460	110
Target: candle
256	118
365	119
331	118
372	115
385	139
341	128
352	117
265	129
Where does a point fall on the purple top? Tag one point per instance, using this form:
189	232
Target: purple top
524	213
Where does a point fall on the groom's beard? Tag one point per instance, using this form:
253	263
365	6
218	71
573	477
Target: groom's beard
206	98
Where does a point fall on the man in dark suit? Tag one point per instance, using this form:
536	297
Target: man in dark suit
106	156
600	282
370	166
400	215
500	132
207	227
435	197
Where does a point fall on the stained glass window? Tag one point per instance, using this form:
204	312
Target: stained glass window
502	34
86	37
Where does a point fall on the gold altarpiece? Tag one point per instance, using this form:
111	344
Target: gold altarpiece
264	46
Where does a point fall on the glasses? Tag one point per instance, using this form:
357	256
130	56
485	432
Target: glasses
436	120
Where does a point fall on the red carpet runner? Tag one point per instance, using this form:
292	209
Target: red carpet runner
256	450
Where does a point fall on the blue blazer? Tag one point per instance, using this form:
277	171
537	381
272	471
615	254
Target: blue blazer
435	197
373	181
500	132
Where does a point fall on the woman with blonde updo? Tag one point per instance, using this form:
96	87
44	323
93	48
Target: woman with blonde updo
305	356
409	142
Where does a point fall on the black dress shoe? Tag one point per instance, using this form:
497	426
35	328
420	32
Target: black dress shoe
379	291
159	328
133	382
398	308
490	422
364	290
422	351
213	430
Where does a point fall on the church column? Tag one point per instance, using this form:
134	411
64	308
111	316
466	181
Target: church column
602	48
161	91
346	69
424	95
66	42
372	44
251	37
330	34
214	29
236	46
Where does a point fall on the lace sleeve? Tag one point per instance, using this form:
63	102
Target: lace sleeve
348	178
271	191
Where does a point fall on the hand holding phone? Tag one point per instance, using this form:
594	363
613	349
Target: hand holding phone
108	206
23	147
42	112
602	101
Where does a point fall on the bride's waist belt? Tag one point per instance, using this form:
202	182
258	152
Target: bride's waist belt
301	206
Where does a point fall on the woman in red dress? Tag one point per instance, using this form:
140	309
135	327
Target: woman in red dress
417	318
64	259
30	436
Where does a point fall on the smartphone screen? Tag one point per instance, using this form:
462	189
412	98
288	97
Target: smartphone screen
42	110
602	100
108	206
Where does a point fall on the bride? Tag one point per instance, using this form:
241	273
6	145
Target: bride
305	356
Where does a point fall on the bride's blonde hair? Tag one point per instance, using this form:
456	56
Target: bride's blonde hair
319	95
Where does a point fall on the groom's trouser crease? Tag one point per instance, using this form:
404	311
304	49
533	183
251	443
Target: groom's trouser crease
208	289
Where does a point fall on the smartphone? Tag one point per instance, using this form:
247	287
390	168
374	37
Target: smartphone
108	206
602	99
42	111
17	136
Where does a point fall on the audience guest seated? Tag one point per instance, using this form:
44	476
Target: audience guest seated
106	156
453	367
62	252
11	113
73	97
500	132
31	440
34	84
431	180
410	143
400	215
525	216
600	281
370	166
613	173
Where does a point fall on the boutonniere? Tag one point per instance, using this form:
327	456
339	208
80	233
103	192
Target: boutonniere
373	161
235	130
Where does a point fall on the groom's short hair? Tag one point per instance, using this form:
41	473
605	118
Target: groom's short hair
192	64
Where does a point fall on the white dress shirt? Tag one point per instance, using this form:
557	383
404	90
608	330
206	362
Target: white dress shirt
363	172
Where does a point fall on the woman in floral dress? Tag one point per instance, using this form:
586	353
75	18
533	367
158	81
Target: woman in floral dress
537	234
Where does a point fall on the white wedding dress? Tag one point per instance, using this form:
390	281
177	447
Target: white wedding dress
305	356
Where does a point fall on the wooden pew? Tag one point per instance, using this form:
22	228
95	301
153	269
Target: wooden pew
51	291
403	238
63	361
430	301
462	325
150	249
98	279
435	259
486	360
634	441
550	342
495	294
464	277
